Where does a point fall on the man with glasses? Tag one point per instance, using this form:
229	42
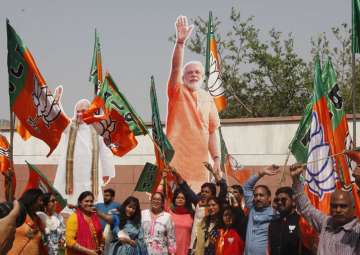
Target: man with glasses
284	233
339	232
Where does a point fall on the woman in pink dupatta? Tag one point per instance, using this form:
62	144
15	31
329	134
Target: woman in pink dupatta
83	228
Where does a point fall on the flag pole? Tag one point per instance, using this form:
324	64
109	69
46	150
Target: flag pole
9	190
282	177
330	156
353	92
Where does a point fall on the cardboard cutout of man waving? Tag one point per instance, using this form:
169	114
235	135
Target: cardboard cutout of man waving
192	118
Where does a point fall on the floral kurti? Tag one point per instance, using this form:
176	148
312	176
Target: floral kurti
159	233
54	233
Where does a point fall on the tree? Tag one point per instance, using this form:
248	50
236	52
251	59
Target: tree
266	77
340	53
261	78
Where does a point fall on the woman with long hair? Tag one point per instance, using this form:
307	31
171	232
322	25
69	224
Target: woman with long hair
229	241
159	231
183	216
83	228
127	231
208	229
28	235
54	232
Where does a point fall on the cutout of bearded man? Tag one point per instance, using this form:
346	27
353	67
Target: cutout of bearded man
192	118
86	161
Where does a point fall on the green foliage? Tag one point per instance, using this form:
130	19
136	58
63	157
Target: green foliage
266	77
340	53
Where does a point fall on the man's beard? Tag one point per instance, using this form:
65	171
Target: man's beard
194	85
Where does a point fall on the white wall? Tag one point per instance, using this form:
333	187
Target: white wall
250	142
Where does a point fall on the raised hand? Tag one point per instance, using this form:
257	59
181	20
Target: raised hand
270	170
183	30
208	166
8	229
296	170
58	93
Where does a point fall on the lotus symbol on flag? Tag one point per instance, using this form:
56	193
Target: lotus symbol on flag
4	152
46	107
105	128
320	175
236	166
214	80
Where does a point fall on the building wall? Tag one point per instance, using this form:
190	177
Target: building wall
253	142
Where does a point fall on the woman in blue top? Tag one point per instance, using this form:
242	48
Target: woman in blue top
127	231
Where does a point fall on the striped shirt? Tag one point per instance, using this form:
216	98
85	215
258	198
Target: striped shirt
344	240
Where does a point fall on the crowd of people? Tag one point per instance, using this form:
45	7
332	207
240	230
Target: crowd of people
210	218
234	220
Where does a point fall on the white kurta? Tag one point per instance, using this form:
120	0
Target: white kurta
82	165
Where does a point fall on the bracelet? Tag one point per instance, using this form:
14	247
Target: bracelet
216	157
179	42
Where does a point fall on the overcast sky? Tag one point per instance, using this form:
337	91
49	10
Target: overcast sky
134	38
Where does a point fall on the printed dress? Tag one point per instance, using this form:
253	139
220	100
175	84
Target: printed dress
135	233
54	233
159	233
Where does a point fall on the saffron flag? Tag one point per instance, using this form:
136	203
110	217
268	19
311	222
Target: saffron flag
164	151
4	154
324	118
21	130
119	124
37	180
213	70
42	116
96	66
322	132
10	183
230	165
355	34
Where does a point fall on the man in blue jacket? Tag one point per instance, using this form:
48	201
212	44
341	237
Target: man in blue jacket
258	202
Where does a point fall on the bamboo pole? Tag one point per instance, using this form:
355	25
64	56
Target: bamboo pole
330	156
282	177
353	92
9	176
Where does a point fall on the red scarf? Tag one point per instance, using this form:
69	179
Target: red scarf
89	233
179	210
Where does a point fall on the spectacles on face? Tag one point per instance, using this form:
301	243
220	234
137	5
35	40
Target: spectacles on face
335	206
280	200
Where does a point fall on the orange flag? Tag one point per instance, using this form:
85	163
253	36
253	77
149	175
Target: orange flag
30	97
10	183
4	154
213	69
25	135
119	124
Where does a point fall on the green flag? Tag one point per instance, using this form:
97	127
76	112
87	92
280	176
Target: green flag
96	66
341	139
158	134
355	35
224	150
119	103
300	143
147	178
210	36
38	180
